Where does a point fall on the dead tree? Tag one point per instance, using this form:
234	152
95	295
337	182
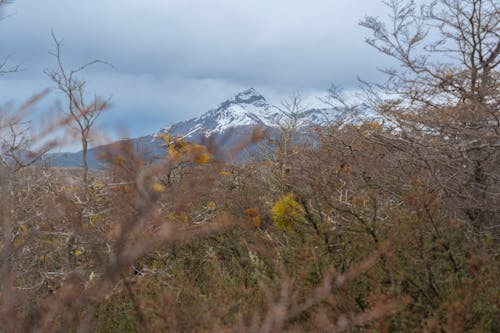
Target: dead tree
82	109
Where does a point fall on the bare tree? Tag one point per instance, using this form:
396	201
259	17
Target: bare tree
15	140
288	131
444	97
17	149
447	48
83	110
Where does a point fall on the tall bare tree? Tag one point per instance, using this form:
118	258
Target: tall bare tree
444	96
84	110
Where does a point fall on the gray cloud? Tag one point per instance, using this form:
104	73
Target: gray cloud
176	58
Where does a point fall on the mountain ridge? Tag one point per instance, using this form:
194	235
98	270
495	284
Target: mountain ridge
228	124
249	108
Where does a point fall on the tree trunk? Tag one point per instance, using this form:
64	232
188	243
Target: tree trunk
84	160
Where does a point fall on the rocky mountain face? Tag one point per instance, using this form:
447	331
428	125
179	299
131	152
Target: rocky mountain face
226	126
248	109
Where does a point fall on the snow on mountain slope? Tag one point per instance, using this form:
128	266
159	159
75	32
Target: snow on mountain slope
229	125
247	109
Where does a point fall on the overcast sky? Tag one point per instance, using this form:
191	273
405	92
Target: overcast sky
174	59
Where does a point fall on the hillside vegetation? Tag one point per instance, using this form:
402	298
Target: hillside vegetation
382	226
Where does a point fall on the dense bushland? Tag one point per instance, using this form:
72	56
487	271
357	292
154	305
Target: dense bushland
388	225
354	235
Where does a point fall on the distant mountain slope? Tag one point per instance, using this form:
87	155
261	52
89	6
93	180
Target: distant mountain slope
228	125
148	146
247	109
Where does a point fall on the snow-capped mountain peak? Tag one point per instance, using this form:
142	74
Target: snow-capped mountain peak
249	96
249	109
246	109
229	125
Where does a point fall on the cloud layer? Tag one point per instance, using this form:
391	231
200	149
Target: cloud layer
176	58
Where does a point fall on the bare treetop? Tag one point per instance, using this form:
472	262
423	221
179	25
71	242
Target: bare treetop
448	49
83	110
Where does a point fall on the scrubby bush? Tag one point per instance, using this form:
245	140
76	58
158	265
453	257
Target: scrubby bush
382	226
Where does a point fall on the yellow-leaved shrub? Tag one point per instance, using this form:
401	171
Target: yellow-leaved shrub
287	211
180	149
